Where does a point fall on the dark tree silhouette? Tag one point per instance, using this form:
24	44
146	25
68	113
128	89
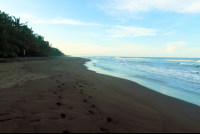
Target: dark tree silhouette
15	37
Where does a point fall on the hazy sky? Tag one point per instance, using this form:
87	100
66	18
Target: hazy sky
141	28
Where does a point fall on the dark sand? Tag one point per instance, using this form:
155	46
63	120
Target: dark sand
46	95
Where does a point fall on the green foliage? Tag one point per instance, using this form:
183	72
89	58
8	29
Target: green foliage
15	37
7	55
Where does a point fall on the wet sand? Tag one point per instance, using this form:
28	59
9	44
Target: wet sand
58	94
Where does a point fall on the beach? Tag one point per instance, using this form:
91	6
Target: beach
59	95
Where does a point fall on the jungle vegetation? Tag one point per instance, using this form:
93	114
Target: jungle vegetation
15	37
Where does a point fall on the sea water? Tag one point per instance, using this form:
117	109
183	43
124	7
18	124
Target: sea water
175	77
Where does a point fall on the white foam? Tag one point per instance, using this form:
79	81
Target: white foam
159	69
186	83
181	60
184	64
132	58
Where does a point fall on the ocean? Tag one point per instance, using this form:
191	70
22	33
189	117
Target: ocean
175	77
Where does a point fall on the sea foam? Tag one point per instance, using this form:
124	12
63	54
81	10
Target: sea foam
168	73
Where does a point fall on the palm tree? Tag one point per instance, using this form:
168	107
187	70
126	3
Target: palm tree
5	42
16	36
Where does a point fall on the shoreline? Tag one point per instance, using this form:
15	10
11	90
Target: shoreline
60	94
168	90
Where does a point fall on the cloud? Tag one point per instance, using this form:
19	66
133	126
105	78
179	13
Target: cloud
124	31
26	16
136	6
170	33
59	20
175	46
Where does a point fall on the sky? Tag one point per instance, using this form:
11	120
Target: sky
130	28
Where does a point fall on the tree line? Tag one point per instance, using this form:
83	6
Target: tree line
15	37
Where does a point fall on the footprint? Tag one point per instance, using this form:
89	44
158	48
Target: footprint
63	116
35	120
59	104
54	92
5	120
4	114
104	129
20	117
93	106
70	107
85	100
59	97
109	119
90	111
